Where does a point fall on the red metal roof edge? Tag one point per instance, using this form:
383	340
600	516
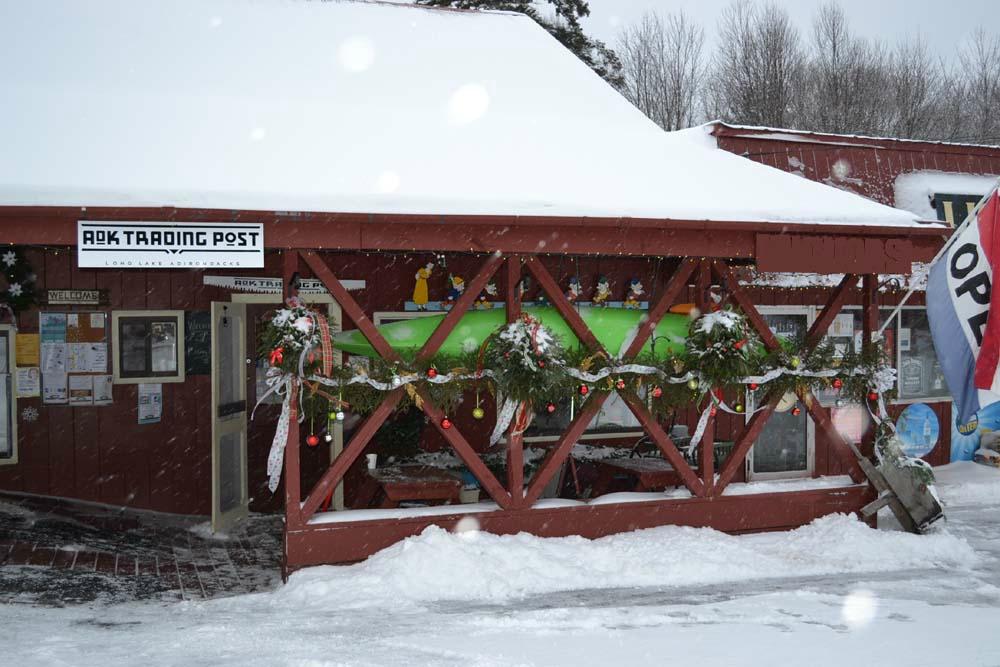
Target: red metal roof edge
723	129
10	214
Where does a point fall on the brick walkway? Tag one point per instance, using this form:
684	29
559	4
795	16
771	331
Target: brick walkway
57	552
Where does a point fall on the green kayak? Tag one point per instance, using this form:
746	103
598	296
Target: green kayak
612	326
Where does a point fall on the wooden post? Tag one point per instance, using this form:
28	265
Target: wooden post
515	441
707	450
869	325
293	475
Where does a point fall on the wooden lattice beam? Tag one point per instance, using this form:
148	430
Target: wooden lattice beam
564	447
465	452
830	311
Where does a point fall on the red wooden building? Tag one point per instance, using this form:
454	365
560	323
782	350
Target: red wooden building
930	179
353	151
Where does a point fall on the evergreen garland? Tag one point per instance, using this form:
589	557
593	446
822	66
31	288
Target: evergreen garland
524	362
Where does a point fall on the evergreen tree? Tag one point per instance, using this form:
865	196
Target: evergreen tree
564	26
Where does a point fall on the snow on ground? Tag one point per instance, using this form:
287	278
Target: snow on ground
831	593
967	483
438	565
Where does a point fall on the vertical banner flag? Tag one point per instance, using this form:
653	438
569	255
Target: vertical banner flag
964	312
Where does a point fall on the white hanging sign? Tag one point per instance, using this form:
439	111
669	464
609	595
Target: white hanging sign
169	245
260	285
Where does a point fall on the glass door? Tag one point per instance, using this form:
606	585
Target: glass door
785	446
229	415
8	432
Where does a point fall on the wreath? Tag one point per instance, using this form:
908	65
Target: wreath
294	330
527	362
722	347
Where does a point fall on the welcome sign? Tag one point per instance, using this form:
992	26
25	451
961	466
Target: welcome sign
169	245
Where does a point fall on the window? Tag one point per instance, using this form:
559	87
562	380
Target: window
910	348
8	404
920	375
148	346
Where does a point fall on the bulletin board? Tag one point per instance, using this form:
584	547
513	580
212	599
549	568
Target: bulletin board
74	358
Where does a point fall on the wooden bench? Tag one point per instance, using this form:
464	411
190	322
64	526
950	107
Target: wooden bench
415	483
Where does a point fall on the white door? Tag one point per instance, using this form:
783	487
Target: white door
229	414
785	446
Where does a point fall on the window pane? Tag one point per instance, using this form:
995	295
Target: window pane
163	342
919	373
614	415
133	347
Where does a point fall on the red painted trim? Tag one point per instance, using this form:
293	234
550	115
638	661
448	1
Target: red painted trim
60	227
352	541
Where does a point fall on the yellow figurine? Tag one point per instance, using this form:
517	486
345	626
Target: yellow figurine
420	292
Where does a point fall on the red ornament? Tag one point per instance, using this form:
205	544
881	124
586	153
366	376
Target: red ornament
551	407
738	345
753	386
541	363
432	373
620	384
796	411
837	383
277	356
312	440
584	390
657	392
446	423
873	396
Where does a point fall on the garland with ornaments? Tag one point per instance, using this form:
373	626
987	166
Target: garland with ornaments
526	369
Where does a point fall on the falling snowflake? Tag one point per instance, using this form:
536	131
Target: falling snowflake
15	289
9	258
29	414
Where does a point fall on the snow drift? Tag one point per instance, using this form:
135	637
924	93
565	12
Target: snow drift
475	566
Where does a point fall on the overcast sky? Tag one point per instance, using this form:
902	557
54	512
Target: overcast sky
942	24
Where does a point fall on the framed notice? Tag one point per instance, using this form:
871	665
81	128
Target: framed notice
72	350
147	346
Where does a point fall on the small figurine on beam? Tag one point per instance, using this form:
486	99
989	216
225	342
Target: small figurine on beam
420	292
574	291
602	292
634	292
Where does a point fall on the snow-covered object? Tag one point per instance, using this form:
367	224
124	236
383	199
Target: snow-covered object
915	190
438	565
352	107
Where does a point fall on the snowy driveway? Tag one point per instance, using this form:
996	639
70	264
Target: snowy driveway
832	593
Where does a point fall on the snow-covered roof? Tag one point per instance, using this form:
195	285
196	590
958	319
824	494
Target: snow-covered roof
288	105
915	190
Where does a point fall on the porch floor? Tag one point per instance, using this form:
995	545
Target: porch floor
57	552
